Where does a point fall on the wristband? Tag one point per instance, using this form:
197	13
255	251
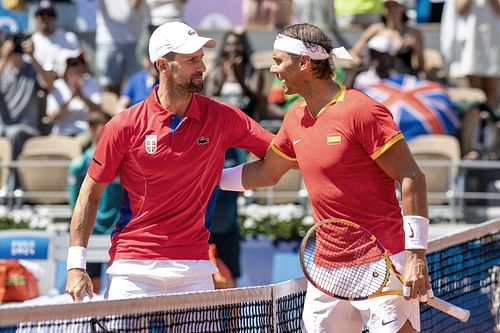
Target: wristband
77	258
416	230
231	179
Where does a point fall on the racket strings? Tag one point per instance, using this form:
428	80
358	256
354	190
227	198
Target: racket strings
345	262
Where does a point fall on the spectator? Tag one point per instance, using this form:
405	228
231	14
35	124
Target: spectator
406	42
360	13
108	211
21	77
119	25
49	39
381	64
233	79
268	14
74	95
223	225
469	43
139	85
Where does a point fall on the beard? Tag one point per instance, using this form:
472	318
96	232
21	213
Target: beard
188	86
193	87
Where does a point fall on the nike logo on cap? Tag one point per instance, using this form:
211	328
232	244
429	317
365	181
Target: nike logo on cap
191	32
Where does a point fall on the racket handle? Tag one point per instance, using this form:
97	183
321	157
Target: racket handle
452	310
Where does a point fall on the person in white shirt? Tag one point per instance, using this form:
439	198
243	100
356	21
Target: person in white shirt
73	95
49	39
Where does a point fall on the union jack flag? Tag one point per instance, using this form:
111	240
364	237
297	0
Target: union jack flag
418	106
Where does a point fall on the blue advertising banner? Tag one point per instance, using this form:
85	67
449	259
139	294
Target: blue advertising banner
11	21
24	247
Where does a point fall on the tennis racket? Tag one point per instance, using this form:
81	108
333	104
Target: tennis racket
344	260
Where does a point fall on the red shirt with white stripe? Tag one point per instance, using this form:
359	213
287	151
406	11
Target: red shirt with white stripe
169	172
336	152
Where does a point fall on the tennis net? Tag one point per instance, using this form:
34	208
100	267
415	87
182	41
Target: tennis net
464	268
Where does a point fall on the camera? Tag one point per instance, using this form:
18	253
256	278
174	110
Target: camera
18	40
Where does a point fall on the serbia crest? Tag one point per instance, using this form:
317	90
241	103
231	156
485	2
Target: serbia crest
151	143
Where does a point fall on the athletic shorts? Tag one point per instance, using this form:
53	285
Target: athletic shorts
384	314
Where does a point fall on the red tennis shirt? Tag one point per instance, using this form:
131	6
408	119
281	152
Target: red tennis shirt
169	168
336	152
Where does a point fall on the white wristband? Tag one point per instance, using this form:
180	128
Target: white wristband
231	179
416	230
77	257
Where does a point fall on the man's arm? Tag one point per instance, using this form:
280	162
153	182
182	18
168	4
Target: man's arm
256	174
82	222
399	164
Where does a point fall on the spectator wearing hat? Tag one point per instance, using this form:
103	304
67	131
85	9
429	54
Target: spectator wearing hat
74	95
50	39
381	65
108	211
406	42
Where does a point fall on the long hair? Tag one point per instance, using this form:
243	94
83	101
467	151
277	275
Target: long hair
313	38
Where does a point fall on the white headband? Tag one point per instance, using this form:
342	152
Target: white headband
297	47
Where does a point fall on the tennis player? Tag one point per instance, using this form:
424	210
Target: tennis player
169	152
351	154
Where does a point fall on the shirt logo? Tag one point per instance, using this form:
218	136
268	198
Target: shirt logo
203	141
191	32
387	322
332	139
151	143
297	141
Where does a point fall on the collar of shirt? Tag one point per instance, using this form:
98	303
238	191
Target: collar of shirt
193	110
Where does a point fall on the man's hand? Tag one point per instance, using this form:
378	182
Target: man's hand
78	284
416	275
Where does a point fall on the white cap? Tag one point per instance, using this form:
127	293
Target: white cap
380	43
176	37
61	62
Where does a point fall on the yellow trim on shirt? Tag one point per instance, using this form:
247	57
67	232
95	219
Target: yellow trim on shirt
339	97
389	144
282	154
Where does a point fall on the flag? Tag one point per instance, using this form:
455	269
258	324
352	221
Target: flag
418	106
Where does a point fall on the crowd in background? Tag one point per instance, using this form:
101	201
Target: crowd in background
47	85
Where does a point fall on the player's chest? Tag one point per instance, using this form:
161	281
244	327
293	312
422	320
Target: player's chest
188	145
321	145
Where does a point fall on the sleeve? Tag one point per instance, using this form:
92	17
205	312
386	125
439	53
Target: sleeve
55	98
111	148
128	90
376	129
246	133
282	144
